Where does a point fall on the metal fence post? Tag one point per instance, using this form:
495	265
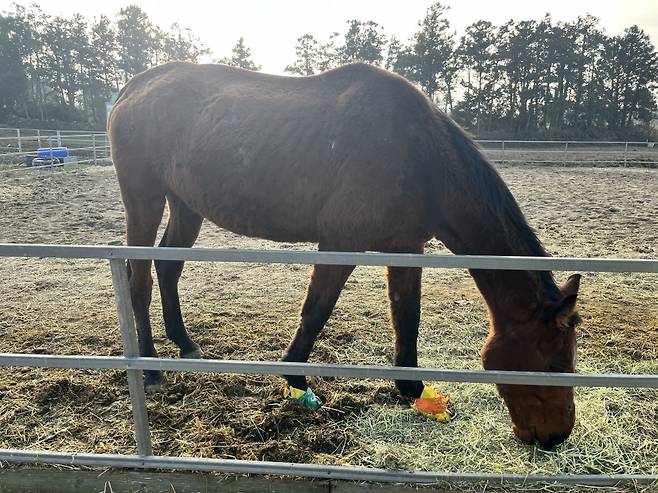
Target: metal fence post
18	140
93	144
625	152
59	138
503	157
50	149
131	348
38	138
566	148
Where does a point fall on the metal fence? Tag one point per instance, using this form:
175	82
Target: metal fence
134	364
571	152
17	145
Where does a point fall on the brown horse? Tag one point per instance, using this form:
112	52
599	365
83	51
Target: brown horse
353	159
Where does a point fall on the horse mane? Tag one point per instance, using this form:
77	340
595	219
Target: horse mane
494	194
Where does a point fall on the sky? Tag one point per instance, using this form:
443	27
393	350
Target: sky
271	28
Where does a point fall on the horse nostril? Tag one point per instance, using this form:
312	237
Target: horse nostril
553	441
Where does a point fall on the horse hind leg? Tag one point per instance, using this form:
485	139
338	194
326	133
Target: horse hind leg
143	216
182	231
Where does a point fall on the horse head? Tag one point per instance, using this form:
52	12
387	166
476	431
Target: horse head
544	343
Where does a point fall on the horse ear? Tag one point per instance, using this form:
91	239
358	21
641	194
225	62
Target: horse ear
566	308
570	287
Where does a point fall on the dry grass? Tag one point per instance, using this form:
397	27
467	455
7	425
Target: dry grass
250	311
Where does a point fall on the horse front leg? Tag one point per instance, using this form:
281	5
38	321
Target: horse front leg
326	283
404	288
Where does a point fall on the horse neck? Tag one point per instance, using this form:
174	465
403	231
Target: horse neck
471	226
477	215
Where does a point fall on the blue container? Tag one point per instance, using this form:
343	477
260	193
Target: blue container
46	152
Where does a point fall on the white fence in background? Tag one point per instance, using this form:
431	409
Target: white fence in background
134	364
18	145
570	152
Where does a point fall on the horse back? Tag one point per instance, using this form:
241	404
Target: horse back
285	158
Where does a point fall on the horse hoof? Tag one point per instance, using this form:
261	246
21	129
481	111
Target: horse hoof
155	387
433	405
154	384
196	354
305	398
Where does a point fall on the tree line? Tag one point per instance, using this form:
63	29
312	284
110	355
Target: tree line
524	79
64	69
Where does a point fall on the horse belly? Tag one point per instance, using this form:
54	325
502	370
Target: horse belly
251	204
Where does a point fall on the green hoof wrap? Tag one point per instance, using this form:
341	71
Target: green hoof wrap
305	398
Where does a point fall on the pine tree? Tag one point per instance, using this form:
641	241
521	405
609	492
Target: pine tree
13	78
364	42
241	57
307	52
178	43
432	48
136	39
479	57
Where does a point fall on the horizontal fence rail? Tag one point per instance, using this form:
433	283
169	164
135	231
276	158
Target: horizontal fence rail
134	364
330	258
331	370
321	471
571	152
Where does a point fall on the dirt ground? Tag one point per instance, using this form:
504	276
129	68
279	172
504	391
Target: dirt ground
238	311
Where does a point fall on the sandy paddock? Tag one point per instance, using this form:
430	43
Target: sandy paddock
241	311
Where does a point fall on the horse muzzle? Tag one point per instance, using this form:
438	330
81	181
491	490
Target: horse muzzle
530	436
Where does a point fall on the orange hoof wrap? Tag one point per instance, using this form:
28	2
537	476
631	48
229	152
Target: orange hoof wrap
432	405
